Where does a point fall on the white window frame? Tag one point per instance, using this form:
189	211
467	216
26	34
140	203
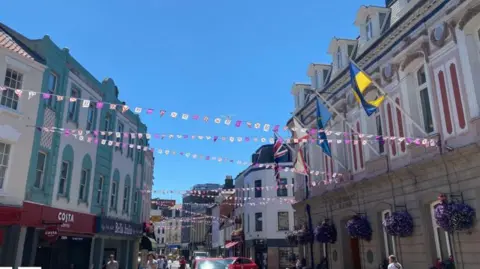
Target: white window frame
5	176
339	58
101	181
73	106
64	178
386	236
426	85
113	195
15	97
42	177
436	231
84	177
126	194
396	131
278	221
135	201
368	28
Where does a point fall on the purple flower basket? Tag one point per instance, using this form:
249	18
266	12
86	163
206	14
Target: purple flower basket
359	227
326	233
455	216
399	224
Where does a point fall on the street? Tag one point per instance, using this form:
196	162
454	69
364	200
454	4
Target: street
175	265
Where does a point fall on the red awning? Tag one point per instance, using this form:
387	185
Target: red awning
231	244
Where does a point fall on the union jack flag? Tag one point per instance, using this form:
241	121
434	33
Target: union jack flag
278	151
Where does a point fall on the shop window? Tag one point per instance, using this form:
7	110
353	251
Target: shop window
283	221
4	158
442	238
282	189
258	222
13	81
258	188
388	240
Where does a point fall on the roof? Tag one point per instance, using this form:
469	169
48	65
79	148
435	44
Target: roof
7	42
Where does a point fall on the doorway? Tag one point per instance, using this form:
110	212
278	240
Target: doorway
355	252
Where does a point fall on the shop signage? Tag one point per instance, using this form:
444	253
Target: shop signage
51	233
118	227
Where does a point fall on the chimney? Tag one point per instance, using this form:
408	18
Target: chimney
228	182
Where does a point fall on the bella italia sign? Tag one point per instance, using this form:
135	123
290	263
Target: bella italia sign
118	227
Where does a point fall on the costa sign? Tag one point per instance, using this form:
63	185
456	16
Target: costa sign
51	233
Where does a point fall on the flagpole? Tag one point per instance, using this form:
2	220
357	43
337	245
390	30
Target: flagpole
343	117
334	158
394	103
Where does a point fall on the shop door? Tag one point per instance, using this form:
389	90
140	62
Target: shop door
355	248
43	258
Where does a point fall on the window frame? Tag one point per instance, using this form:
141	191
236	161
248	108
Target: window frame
368	28
91	121
339	58
258	228
258	189
282	190
379	131
278	221
121	130
84	197
126	196
43	171
9	92
63	192
386	236
394	124
436	230
72	115
101	181
5	176
131	141
135	201
421	87
50	102
113	196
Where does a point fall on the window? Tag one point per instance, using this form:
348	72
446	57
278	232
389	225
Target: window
282	189
120	129
40	170
135	201
395	125
130	142
293	186
442	238
357	149
101	180
248	223
107	123
84	178
258	222
113	196
388	240
381	142
328	164
72	106
4	156
258	188
91	117
51	89
126	195
368	28
163	240
283	222
13	81
339	58
62	184
424	101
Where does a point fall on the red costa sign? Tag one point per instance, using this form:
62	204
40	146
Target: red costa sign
51	233
41	216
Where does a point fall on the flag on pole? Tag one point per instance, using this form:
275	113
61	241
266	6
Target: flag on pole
300	165
279	151
360	82
299	133
322	137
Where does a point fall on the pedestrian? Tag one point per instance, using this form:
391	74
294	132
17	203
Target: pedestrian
393	263
183	263
298	265
161	263
151	262
112	263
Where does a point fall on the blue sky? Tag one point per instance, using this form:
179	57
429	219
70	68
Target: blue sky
207	57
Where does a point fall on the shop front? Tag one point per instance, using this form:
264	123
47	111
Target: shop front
10	218
115	237
56	238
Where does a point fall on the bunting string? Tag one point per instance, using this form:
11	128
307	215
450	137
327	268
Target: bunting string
86	103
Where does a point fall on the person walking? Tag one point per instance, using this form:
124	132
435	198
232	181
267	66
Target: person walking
112	263
183	263
151	262
393	263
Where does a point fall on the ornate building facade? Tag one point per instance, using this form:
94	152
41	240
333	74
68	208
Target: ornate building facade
424	54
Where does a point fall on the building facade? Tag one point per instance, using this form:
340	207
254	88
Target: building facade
268	213
425	55
21	71
86	172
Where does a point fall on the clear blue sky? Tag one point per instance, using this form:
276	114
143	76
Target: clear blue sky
209	57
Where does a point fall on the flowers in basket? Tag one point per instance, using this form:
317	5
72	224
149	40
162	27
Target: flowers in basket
359	227
454	216
326	232
304	236
399	224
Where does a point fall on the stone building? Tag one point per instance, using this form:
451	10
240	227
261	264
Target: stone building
424	54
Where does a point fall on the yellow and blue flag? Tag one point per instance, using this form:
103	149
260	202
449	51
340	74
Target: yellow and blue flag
322	137
360	82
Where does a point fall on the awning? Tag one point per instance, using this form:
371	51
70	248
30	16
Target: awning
231	244
148	243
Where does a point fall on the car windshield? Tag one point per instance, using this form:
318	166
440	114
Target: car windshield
201	254
214	264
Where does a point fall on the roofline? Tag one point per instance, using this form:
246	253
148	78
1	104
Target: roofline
12	33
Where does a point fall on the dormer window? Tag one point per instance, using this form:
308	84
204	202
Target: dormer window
368	28
339	58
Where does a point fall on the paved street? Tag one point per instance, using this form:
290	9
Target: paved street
175	265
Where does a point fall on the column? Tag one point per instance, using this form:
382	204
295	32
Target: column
92	246
11	238
20	246
128	258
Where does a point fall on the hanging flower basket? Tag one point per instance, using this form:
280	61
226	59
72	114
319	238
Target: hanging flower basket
454	216
399	224
326	232
359	227
292	238
304	236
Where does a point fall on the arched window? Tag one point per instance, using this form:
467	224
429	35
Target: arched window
368	28
85	177
442	238
339	58
65	177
